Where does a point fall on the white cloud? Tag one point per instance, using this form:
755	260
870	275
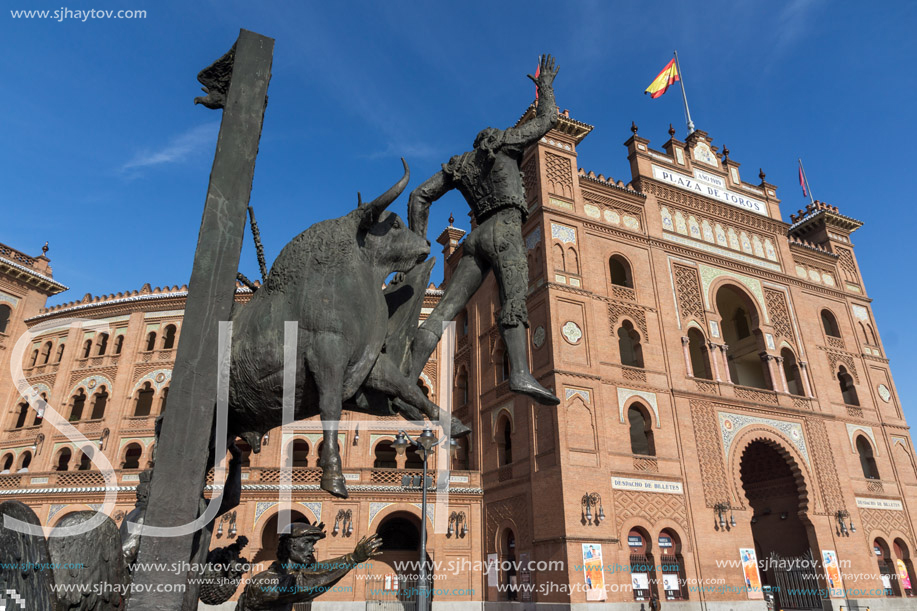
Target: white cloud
178	149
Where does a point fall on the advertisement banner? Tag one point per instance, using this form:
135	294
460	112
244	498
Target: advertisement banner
492	576
832	573
593	571
750	570
670	585
903	578
640	581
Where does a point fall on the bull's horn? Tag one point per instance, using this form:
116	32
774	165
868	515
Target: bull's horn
381	203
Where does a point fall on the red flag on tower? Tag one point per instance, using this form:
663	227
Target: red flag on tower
802	181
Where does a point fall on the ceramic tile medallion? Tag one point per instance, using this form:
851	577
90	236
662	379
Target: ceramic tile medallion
538	337
563	233
571	331
884	393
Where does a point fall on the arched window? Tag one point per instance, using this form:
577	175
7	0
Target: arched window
99	401
829	324
60	353
508	563
87	348
246	459
558	257
423	388
700	356
132	456
162	401
5	312
102	344
119	344
464	325
629	345
151	341
887	573
384	456
672	564
740	331
792	372
904	558
144	401
504	366
572	263
77	404
848	390
867	460
38	418
504	441
461	387
86	459
63	460
168	338
46	353
413	458
34	359
620	271
299	452
24	461
641	431
21	415
7	465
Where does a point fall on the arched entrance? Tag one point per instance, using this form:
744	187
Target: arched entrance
392	581
784	538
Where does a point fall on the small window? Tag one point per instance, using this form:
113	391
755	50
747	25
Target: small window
164	400
504	366
86	459
132	456
629	345
21	415
168	338
641	431
46	353
829	324
867	460
620	272
34	359
144	404
24	461
793	372
87	348
384	456
505	441
151	341
99	401
103	344
700	357
60	354
7	464
5	312
119	344
78	403
848	390
300	453
63	460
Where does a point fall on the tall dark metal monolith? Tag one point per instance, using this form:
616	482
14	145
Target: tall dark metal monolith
238	84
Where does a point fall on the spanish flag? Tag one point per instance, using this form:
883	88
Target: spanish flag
666	78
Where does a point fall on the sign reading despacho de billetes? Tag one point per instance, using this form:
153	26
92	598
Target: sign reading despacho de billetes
709	189
868	503
646	485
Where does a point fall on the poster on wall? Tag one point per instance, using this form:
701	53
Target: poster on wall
750	570
670	585
593	571
492	580
640	582
832	573
903	578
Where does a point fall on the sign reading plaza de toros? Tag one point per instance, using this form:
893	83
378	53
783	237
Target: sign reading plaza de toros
703	185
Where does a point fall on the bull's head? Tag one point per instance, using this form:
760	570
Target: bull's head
384	237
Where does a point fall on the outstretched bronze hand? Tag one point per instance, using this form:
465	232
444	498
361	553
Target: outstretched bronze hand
367	547
546	73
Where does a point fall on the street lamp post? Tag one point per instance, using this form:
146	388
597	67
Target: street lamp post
426	442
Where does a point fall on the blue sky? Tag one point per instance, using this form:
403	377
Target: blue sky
105	156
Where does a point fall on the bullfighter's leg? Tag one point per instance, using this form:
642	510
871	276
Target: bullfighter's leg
468	276
511	271
326	359
387	378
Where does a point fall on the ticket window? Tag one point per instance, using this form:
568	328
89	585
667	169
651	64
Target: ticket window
642	572
887	573
905	569
672	566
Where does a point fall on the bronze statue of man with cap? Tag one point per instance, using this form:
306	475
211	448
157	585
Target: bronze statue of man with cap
296	576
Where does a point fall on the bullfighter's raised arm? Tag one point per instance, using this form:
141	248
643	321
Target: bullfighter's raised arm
546	113
422	197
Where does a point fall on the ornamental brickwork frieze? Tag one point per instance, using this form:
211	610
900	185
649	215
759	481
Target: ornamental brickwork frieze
618	311
884	521
836	357
687	290
780	315
515	510
530	178
652	507
823	459
709	452
559	172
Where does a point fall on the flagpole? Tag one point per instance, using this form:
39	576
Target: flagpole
806	179
681	79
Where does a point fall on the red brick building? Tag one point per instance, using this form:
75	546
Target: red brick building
725	398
